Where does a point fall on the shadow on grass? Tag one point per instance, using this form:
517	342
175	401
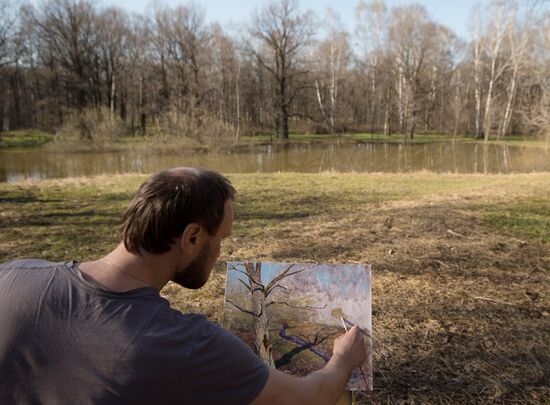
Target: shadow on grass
82	219
275	216
27	199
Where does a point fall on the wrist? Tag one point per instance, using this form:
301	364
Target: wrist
338	362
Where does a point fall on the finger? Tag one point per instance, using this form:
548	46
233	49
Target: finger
354	330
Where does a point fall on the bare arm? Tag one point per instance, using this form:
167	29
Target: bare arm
320	387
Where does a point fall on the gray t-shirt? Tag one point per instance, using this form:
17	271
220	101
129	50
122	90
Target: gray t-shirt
64	340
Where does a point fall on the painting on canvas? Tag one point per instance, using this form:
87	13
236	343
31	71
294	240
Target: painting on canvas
290	313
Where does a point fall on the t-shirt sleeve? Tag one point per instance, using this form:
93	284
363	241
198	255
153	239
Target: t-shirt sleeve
222	369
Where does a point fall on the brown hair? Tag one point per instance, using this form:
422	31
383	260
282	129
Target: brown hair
170	200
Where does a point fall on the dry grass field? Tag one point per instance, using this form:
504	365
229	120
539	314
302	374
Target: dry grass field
461	307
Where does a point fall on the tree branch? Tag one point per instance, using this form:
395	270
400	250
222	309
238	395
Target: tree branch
246	311
294	306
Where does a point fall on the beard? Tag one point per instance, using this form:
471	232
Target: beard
196	274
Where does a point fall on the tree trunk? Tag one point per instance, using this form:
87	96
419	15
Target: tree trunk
373	98
320	101
283	112
113	92
412	128
333	91
487	117
509	104
457	103
6	118
400	93
387	130
142	115
477	85
238	100
285	124
262	342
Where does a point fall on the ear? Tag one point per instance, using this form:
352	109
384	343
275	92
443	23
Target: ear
191	237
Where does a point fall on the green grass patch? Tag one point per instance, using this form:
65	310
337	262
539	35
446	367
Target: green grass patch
394	138
24	139
31	138
55	219
529	218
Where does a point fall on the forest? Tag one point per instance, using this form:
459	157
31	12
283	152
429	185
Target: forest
89	70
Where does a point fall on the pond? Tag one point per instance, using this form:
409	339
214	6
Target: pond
445	157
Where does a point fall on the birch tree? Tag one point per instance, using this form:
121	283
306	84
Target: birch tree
371	19
477	48
537	110
517	40
496	33
332	57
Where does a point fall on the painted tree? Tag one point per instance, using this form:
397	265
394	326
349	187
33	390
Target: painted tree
260	293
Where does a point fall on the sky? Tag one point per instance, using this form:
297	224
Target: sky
452	13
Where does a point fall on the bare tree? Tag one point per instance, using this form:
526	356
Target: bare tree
260	293
113	34
185	40
176	74
496	33
138	53
477	45
411	35
69	31
332	57
7	25
517	41
278	38
536	110
371	21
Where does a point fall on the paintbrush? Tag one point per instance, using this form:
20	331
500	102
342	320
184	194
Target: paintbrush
351	325
360	368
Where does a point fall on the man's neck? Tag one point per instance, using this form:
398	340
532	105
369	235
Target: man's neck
121	270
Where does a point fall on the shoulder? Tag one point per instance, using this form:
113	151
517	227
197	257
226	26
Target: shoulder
28	264
222	368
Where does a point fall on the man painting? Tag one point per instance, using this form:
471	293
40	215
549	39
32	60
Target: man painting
99	331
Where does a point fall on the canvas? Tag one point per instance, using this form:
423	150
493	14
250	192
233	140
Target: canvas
290	313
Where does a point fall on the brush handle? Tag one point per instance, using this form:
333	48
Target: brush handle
360	368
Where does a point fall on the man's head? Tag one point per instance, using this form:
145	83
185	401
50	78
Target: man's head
188	210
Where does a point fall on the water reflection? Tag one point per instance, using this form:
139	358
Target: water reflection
344	157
